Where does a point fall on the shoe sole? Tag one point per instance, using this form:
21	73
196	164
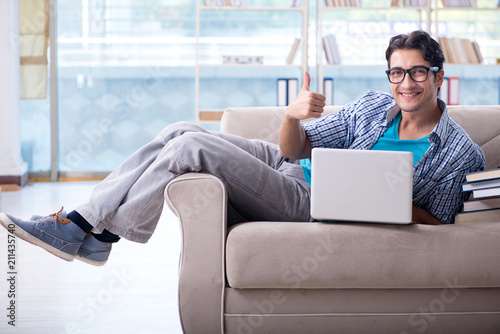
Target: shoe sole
94	263
20	233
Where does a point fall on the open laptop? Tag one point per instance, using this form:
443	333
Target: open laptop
361	185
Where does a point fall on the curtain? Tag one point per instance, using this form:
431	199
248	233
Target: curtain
34	41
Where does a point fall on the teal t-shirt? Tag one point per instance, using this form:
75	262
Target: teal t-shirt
388	142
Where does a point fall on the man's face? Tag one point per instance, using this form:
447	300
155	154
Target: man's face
413	96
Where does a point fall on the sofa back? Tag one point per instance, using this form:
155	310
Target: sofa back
482	123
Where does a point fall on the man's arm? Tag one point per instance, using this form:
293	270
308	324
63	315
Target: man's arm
293	140
421	216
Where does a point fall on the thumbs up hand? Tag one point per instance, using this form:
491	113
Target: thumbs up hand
306	104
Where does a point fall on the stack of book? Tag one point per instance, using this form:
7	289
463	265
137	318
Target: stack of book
460	51
484	204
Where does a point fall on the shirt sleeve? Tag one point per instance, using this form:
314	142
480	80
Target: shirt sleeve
331	131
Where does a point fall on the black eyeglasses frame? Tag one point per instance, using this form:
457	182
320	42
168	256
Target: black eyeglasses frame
432	69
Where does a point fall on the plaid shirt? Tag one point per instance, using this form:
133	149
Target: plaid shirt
437	176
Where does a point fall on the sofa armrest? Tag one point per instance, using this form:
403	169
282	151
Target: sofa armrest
200	202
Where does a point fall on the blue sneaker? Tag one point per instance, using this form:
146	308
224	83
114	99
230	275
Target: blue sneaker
92	251
56	233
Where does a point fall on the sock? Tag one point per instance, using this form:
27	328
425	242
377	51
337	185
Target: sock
106	236
76	218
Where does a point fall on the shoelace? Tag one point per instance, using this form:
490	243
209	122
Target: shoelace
57	219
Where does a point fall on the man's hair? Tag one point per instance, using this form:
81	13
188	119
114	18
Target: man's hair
417	40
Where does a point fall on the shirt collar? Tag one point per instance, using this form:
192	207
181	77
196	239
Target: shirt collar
440	130
392	113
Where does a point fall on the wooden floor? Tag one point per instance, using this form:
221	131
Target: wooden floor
135	292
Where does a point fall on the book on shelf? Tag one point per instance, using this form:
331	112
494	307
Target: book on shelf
443	91
408	3
328	90
459	3
292	90
331	48
342	3
282	92
287	91
453	91
225	3
460	51
293	51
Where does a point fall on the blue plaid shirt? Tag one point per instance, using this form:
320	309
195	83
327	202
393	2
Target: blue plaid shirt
437	176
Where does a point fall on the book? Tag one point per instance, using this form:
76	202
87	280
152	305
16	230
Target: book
444	92
492	215
328	51
469	51
477	50
486	192
482	204
453	91
457	47
282	92
331	48
328	90
293	51
292	90
481	184
483	175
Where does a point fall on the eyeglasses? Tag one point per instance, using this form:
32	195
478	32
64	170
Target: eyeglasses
417	73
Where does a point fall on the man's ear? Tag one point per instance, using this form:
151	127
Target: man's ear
439	78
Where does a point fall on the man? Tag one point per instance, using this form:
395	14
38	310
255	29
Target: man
266	182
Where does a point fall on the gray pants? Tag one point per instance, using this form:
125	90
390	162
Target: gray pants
261	184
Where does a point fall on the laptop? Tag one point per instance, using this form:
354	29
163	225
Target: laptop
361	185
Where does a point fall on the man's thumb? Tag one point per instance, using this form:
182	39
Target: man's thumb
307	81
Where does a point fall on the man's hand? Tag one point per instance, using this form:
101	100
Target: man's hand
293	140
306	104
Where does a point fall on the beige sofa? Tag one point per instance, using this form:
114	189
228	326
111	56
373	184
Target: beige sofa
281	277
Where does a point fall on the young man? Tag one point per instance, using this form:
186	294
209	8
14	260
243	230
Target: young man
266	182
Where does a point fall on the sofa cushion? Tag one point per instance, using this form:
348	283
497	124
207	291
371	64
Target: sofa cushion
334	255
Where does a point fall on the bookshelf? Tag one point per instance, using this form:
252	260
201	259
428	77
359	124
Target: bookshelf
470	20
362	29
362	52
244	52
